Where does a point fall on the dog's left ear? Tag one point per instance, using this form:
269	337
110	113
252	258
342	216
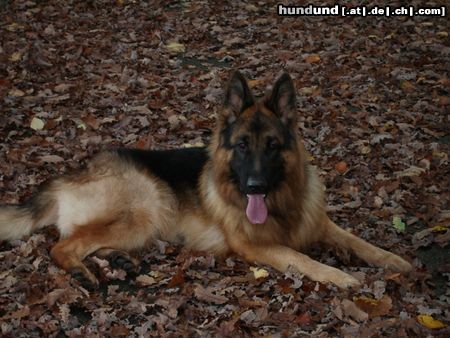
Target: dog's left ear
282	100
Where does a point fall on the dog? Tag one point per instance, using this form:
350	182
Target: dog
252	192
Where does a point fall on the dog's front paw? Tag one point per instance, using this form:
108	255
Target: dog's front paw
346	281
339	278
397	263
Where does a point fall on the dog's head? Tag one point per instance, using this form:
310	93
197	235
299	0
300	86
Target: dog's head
255	143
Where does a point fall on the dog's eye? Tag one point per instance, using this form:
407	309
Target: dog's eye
273	144
242	146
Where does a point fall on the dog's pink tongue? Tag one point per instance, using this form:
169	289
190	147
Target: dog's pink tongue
256	209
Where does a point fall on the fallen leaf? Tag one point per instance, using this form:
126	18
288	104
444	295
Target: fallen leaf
304	319
51	159
80	124
232	41
393	276
14	27
254	83
64	313
364	150
177	279
16	56
50	30
389	125
341	167
92	121
439	154
206	295
377	202
443	239
248	316
351	310
398	224
380	137
119	331
63	296
430	322
444	100
116	274
22	312
411	171
174	121
145	280
406	85
193	144
58	98
440	228
374	307
37	124
312	58
62	88
337	308
176	47
259	272
16	92
309	90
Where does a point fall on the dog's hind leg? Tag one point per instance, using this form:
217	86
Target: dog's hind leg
338	237
107	236
69	253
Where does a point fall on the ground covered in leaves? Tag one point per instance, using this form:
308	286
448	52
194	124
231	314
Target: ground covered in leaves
76	77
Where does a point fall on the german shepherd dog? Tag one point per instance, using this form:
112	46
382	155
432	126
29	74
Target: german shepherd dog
251	192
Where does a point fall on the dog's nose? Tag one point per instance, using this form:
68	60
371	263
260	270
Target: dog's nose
256	185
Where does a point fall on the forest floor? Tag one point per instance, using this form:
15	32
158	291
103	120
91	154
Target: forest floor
80	76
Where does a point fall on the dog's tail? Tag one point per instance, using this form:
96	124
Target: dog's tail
17	221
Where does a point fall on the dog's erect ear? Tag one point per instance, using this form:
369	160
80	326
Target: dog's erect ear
238	96
282	99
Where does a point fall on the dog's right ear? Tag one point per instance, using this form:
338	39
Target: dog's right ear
238	97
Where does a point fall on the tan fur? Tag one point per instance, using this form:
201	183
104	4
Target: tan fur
113	206
16	222
276	243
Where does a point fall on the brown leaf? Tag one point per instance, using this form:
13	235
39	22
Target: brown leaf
119	330
145	280
444	100
374	307
51	159
251	303
248	316
92	121
22	312
341	167
67	295
206	295
227	328
351	310
177	279
304	319
16	92
312	58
